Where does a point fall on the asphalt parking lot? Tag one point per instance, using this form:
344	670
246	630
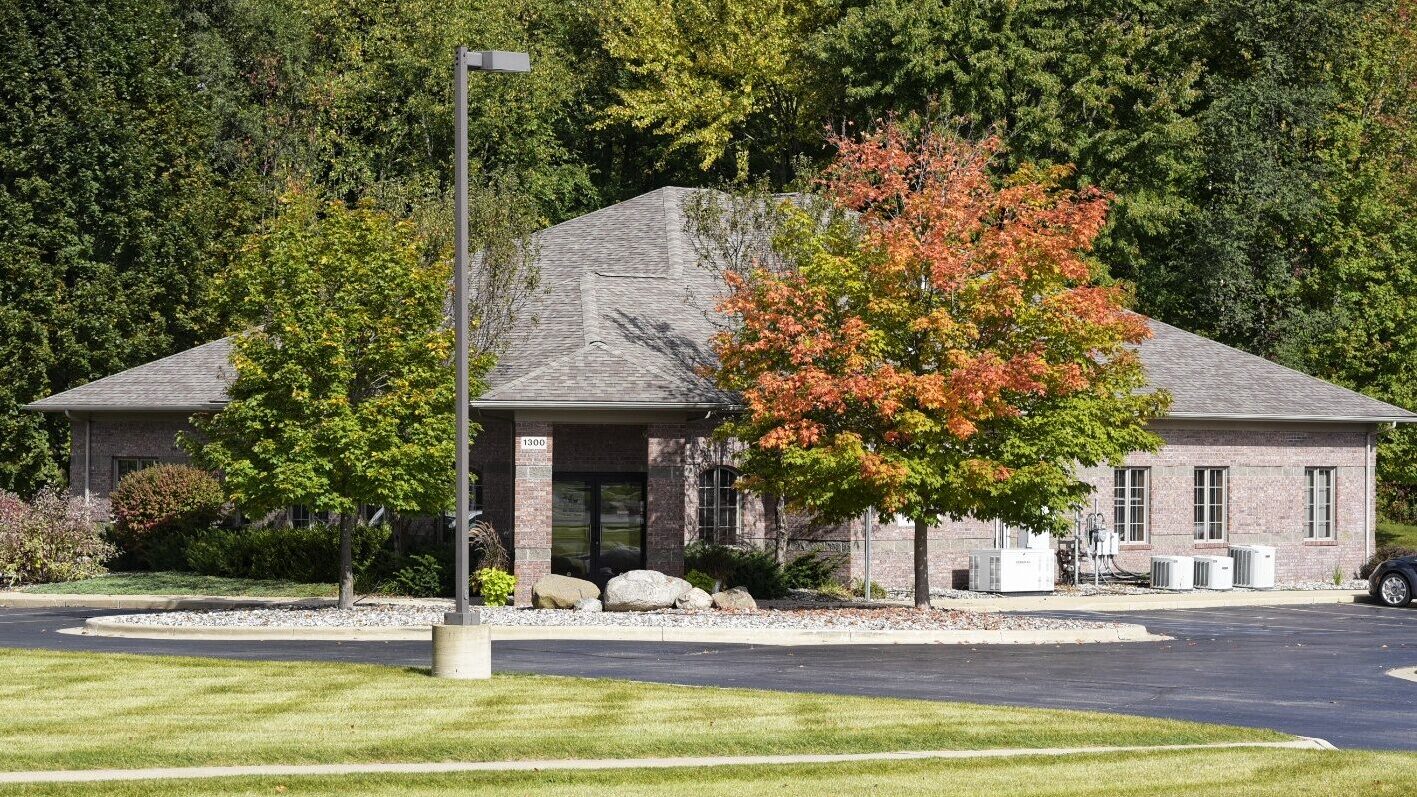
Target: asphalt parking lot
1310	670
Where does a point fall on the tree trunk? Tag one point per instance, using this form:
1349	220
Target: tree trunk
346	561
922	565
775	509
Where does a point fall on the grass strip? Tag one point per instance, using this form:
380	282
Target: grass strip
89	710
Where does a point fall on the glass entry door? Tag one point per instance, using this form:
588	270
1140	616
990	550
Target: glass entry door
597	524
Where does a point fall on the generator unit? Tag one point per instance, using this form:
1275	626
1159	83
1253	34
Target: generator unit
1011	570
1214	572
1254	566
1172	572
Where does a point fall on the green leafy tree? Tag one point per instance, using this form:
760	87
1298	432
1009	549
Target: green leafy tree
722	79
943	351
343	393
1110	87
110	220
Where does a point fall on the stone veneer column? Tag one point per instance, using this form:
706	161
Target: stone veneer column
665	491
531	514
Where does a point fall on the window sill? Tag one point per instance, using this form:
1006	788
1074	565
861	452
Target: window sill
1210	544
1136	546
1320	543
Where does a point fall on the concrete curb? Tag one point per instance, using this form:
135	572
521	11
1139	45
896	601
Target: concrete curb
102	626
1031	603
1405	673
433	767
38	600
1155	601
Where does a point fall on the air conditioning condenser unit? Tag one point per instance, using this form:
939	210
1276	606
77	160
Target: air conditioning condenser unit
1254	566
1172	572
1214	572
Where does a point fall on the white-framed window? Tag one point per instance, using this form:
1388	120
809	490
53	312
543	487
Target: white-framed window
1131	501
122	466
1211	496
302	516
1319	502
718	506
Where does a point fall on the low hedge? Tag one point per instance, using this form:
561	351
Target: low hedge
309	554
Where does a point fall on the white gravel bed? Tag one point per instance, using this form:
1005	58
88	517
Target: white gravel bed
876	619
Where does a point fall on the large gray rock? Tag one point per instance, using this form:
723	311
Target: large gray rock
643	591
736	598
561	592
694	599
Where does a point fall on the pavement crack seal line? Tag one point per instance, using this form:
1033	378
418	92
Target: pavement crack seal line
435	767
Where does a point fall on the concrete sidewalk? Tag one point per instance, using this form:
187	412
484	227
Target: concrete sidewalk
297	770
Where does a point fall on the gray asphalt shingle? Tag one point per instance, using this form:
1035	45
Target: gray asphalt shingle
625	316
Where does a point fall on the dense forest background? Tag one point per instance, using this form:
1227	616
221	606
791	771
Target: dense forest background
1261	152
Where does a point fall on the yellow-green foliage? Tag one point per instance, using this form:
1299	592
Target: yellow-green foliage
496	585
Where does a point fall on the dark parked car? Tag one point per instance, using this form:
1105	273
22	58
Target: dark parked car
1393	581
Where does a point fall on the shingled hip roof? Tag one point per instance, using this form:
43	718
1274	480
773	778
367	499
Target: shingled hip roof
625	319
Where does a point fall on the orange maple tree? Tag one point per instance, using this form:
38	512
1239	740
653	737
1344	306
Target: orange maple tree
937	344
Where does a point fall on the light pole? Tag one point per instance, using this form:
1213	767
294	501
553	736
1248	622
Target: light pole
483	61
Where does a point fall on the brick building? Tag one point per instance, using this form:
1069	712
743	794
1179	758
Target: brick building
596	450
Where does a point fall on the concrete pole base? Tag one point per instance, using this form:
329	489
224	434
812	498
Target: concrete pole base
462	651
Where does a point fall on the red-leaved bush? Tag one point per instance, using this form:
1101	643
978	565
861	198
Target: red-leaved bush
161	501
52	538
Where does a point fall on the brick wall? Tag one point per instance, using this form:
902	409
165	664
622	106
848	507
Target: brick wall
491	458
112	436
1266	506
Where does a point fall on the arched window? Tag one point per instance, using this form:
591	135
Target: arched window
718	506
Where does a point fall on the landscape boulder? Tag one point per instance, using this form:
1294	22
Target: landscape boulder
561	592
695	598
736	598
589	605
643	591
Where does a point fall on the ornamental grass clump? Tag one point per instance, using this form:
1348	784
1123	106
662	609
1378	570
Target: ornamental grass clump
51	538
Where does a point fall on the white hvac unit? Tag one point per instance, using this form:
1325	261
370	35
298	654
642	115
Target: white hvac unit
1254	566
1214	572
1172	572
1011	570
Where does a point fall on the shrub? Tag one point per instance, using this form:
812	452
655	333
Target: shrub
834	589
701	580
750	568
760	574
496	584
859	590
1384	553
812	570
52	538
422	577
715	561
309	554
157	510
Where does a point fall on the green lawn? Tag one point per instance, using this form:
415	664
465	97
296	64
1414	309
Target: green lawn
1390	533
172	583
1230	773
85	710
